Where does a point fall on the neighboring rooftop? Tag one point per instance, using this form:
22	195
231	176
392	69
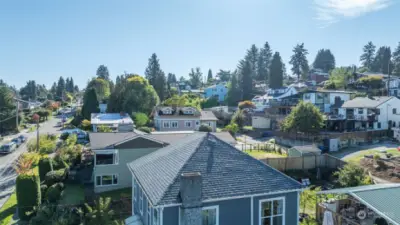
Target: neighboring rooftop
366	102
207	115
382	198
170	111
110	118
226	172
329	91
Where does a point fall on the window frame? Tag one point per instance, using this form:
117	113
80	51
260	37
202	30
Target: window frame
394	111
283	214
166	122
106	185
156	219
360	109
114	155
149	214
174	122
379	125
141	202
216	207
187	121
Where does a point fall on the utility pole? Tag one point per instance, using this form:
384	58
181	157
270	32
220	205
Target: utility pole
388	87
37	136
16	116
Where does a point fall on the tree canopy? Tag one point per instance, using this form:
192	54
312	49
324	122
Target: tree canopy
246	80
299	61
382	62
396	60
102	88
305	118
209	75
276	72
196	77
90	103
156	76
367	58
339	77
102	73
224	75
234	94
324	60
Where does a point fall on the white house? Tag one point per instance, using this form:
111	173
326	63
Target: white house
119	122
325	99
372	113
394	86
262	102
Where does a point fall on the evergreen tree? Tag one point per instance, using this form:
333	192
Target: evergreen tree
367	58
324	60
264	61
60	88
29	91
234	94
276	72
396	60
196	77
156	76
299	61
246	81
102	72
224	75
90	103
53	89
209	76
252	56
171	78
382	62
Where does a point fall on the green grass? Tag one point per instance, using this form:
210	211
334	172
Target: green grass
8	210
31	128
357	157
259	154
117	194
73	194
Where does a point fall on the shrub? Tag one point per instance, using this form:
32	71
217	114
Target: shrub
45	166
145	129
246	105
60	186
43	188
232	128
47	144
86	125
33	156
28	194
64	136
55	176
53	194
140	119
377	157
205	128
351	176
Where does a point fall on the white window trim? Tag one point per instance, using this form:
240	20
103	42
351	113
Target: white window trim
216	207
154	220
177	124
149	216
141	202
115	158
188	122
166	122
271	200
101	180
134	189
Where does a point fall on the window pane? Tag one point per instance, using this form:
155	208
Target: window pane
98	180
277	220
278	207
266	221
106	180
210	217
115	180
266	209
104	159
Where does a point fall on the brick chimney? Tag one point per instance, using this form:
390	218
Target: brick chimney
190	192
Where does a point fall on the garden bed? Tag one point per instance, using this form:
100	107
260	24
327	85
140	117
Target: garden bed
389	169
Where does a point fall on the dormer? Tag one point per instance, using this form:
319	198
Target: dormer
188	111
167	110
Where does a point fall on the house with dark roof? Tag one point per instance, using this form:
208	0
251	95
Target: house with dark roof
203	180
119	122
168	118
112	151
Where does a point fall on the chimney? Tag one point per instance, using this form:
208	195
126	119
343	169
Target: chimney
190	192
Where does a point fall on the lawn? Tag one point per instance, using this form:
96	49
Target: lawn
357	157
259	154
8	210
73	194
117	194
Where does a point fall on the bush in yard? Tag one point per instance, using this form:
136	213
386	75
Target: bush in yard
28	194
145	129
232	128
43	188
205	128
55	176
64	136
53	194
100	212
351	176
140	119
60	186
45	166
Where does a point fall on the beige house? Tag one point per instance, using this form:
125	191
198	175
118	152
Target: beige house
168	118
112	152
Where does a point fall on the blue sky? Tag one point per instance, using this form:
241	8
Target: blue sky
45	39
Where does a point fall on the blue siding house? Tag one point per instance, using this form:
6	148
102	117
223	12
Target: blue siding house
203	180
219	90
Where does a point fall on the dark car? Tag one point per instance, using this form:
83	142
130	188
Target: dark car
17	142
22	138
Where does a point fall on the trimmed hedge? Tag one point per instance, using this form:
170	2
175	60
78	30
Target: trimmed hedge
53	194
55	176
45	166
28	194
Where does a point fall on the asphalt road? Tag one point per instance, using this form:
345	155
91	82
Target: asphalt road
7	172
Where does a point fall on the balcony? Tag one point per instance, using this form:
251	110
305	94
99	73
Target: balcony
350	117
336	117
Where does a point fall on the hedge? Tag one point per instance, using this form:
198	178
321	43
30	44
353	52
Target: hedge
45	166
53	194
28	194
55	176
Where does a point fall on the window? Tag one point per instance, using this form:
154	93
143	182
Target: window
141	202
189	111
106	159
272	212
174	124
106	180
379	125
155	217
394	111
360	111
378	111
197	122
148	212
188	123
394	123
210	215
307	96
166	124
134	190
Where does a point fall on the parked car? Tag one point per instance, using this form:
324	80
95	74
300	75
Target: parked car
22	138
8	148
17	141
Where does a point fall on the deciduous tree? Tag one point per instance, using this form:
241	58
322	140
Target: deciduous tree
102	88
196	77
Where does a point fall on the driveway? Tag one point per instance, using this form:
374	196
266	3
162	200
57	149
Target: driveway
7	172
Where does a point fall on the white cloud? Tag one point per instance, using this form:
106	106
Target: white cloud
331	11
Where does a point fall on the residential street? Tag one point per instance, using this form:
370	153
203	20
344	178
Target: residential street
7	172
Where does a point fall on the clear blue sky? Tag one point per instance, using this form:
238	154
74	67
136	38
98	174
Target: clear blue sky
45	39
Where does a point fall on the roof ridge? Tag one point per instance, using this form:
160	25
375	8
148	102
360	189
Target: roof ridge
205	137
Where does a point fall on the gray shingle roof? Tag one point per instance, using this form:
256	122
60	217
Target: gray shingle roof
365	102
226	171
106	140
207	115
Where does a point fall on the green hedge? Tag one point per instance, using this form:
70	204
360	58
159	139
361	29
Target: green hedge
55	176
45	166
28	194
53	194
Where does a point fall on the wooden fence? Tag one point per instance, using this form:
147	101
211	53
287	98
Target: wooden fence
304	162
267	147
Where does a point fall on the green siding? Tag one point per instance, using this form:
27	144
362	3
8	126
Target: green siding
124	175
